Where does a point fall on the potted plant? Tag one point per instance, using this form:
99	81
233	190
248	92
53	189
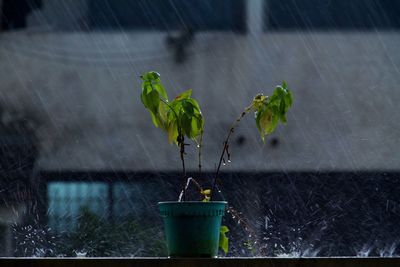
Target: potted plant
193	228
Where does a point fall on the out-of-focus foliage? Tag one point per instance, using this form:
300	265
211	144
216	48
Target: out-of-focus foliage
95	237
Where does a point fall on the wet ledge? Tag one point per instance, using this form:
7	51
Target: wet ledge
222	262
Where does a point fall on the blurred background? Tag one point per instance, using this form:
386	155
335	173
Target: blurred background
82	167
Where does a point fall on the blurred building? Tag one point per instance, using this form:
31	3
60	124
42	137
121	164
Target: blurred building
76	66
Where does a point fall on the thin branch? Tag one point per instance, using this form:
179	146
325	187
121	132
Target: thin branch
226	145
190	179
200	146
181	144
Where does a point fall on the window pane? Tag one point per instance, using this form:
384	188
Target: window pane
333	15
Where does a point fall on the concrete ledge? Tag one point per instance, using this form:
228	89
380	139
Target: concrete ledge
222	262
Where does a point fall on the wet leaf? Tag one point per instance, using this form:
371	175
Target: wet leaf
172	132
206	199
186	112
206	192
151	100
269	111
186	124
188	108
186	94
258	101
152	79
152	93
223	239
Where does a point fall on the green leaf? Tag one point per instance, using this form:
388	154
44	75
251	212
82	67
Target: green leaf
186	124
151	100
284	85
186	111
187	107
184	95
152	79
206	192
152	93
224	229
172	132
258	101
206	199
197	125
150	76
223	239
194	104
174	110
181	116
270	111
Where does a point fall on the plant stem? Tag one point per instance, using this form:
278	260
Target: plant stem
225	147
190	179
200	147
181	142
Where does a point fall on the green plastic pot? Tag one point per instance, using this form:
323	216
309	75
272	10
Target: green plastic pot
192	227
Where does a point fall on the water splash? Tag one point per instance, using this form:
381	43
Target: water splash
33	240
365	251
80	253
388	251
